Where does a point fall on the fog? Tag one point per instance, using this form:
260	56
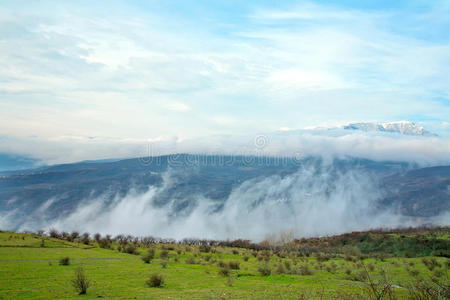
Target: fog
424	151
317	200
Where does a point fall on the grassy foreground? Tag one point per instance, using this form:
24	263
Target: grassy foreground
410	264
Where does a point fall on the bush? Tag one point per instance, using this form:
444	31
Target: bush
147	258
205	248
80	282
245	258
427	289
235	265
85	238
414	272
130	249
104	243
164	254
265	270
221	264
280	269
224	272
287	264
155	280
191	261
431	263
305	270
54	233
164	264
65	261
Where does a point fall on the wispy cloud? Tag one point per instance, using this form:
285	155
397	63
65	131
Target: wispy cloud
141	72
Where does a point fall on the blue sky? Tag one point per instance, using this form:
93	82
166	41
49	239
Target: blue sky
127	71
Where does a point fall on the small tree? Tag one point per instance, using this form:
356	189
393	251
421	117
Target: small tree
80	281
54	233
85	238
97	237
155	281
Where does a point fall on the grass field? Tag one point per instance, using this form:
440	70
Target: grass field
30	269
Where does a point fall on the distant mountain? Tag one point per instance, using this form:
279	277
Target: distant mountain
421	192
181	180
16	162
400	127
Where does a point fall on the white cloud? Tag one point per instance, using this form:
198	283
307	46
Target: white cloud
129	75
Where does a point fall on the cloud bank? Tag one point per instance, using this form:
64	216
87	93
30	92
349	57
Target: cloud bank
140	70
423	151
319	199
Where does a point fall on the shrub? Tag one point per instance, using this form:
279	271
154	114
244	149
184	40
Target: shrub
54	233
155	280
287	264
65	261
104	243
245	258
381	289
265	270
80	281
221	264
438	273
280	269
321	257
413	272
305	269
205	248
360	276
164	254
224	272
85	238
235	252
431	263
97	237
427	289
234	265
191	260
164	264
147	258
130	249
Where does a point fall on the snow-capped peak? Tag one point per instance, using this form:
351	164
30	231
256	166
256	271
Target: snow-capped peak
401	127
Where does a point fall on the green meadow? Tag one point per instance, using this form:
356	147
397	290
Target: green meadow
374	265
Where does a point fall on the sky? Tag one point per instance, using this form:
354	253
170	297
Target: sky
78	77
